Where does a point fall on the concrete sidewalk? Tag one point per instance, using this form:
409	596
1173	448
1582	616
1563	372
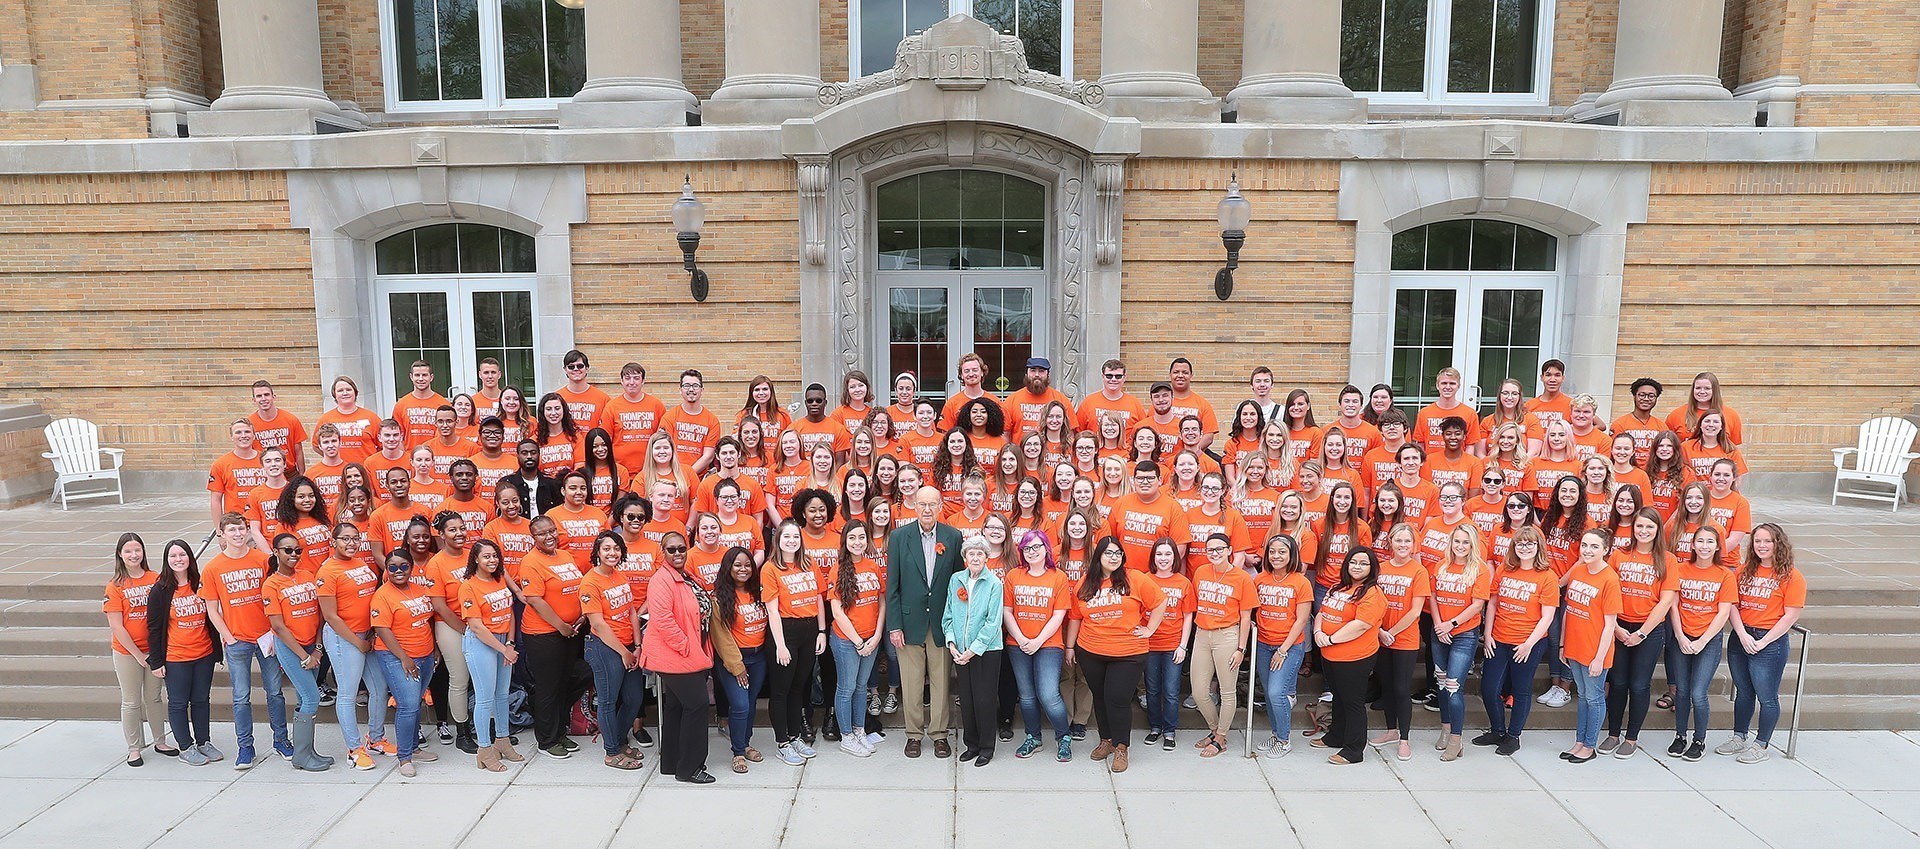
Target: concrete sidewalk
62	784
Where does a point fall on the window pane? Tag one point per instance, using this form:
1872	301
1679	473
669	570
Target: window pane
981	245
898	200
1533	250
1403	50
404	310
1003	333
394	254
479	249
417	52
418	326
1514	22
1422	340
1490	48
1410	250
1025	200
980	195
517	308
516	252
917	335
1448	245
940	193
920	15
1025	245
1492	246
503	330
489	327
437	249
566	50
882	25
998	14
898	242
523	43
1040	24
1360	44
939	245
459	38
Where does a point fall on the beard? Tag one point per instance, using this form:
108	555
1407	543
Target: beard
1038	385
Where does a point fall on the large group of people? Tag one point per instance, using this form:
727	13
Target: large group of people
484	568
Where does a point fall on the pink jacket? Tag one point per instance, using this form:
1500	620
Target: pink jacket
672	643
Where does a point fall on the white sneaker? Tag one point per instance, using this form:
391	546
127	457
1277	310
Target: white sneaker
1327	697
1753	755
1734	746
1553	697
1562	700
1280	749
851	745
790	757
804	750
1266	744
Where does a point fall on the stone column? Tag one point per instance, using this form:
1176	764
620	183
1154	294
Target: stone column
1666	67
1150	58
1290	66
633	68
773	63
270	53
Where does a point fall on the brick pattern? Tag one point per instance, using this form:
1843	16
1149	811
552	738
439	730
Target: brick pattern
20	460
86	49
1086	39
1774	303
147	303
1864	41
1857	110
169	38
703	45
1220	43
1583	39
834	47
76	125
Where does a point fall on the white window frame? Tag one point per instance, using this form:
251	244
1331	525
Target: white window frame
1434	84
1469	289
459	290
960	285
954	7
493	84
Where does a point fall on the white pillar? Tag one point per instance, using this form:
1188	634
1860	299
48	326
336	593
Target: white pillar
1150	61
1290	65
1666	67
773	63
270	55
633	68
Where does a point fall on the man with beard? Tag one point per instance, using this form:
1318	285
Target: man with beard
1025	405
536	489
1186	402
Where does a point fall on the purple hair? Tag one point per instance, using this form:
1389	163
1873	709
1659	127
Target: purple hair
1029	537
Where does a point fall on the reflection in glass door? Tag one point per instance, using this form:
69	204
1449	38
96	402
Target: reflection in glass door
917	336
934	318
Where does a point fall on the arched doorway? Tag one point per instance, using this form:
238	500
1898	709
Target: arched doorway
960	259
1480	295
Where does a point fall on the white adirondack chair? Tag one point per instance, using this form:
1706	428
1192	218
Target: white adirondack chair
1881	459
76	458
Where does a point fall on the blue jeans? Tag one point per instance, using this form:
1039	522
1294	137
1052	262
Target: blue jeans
1591	707
740	700
1630	681
1756	678
1037	676
1163	692
406	698
893	667
1453	661
851	672
1502	674
349	672
305	686
488	669
240	660
189	699
1556	668
1279	683
617	691
1695	676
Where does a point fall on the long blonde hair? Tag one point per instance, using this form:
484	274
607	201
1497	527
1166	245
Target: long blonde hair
1469	570
651	473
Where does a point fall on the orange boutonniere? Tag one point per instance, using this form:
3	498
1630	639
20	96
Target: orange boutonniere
939	548
963	593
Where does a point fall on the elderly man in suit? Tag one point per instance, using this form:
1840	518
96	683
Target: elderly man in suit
921	560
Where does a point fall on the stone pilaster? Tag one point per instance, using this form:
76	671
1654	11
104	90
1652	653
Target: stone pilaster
1290	66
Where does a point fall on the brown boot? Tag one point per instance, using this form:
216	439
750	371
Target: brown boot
505	750
1454	749
1120	758
1101	751
489	760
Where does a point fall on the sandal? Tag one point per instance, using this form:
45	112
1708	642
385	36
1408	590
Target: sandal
622	762
1665	702
740	764
1212	747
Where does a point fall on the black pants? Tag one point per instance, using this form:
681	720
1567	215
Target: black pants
1630	681
1112	680
826	679
1009	692
789	687
560	677
683	723
1428	683
980	700
1395	670
437	687
189	699
1348	729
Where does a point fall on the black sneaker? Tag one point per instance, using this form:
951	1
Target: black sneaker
1508	746
1696	750
1166	743
446	733
1678	748
1489	739
558	751
1006	732
1153	736
641	736
831	733
568	742
1078	732
328	696
701	777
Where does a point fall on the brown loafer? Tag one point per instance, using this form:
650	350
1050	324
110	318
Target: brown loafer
1120	758
941	749
1101	751
1338	759
913	747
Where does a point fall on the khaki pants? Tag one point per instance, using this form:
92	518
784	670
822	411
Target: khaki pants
139	700
1213	656
926	664
453	656
1075	692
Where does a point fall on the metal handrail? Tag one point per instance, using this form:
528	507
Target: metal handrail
1799	686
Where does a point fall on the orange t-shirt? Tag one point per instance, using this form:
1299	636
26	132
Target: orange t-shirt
359	432
1486	515
703	565
555	579
296	600
644	556
704	500
1220	597
1127	409
1361	439
128	601
1180	602
950	411
444	454
1435	537
283	430
1138	523
826	432
559	453
1543	475
692	433
443	571
869	588
1339	608
1419	501
1304	443
474	512
515	538
189	633
387	527
415	416
491	602
1453	593
795	593
1640	588
1765	598
1326	571
1108	619
1034	600
235	478
632	424
577	530
1521	597
1200	526
1281	596
1589	598
1426	427
749	621
1405	588
492	472
612	598
1677	422
1022	409
1464	471
377	465
234	584
585	405
1642	430
351	584
409	614
1702	591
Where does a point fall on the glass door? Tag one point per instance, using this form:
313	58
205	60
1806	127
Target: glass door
933	319
1477	295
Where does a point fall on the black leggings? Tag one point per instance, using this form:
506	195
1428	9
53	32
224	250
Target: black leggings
683	723
1112	680
1347	730
1395	669
1630	681
789	687
189	699
560	677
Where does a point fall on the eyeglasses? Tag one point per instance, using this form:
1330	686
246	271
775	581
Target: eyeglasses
1526	545
1218	549
674	549
1038	546
576	366
634	517
1449	498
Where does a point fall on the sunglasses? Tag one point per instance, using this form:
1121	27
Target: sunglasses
1114	376
576	367
289	550
675	549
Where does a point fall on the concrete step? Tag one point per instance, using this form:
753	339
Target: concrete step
64	642
51	613
70	586
1861	620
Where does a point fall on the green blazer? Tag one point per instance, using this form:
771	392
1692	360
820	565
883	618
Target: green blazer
914	606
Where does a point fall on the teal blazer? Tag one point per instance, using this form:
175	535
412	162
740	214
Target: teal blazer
974	624
914	606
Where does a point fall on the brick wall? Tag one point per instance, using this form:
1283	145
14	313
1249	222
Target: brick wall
1293	298
703	45
1583	38
1773	38
147	303
1220	43
631	300
1788	281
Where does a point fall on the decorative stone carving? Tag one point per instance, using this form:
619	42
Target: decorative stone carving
814	180
962	53
1109	177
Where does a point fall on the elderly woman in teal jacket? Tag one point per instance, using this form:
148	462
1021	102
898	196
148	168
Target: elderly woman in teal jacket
972	625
